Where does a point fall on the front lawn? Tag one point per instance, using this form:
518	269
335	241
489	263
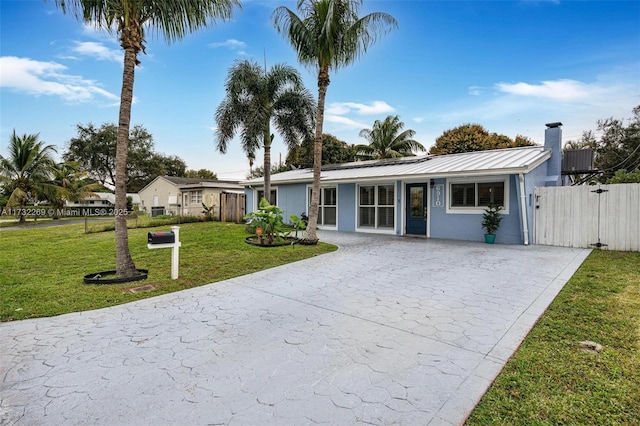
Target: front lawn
42	270
551	380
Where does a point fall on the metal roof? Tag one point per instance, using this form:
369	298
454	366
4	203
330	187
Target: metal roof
494	162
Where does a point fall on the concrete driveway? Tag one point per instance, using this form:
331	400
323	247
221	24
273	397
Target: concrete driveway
386	330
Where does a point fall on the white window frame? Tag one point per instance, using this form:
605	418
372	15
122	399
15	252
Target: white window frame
197	195
320	205
471	180
375	205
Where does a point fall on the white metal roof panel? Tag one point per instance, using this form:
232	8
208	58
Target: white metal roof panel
500	161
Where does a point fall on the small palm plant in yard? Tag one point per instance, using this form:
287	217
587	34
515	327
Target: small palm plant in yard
267	224
298	223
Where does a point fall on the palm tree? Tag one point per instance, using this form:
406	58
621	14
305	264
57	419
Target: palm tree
387	140
25	172
327	36
130	19
254	98
68	183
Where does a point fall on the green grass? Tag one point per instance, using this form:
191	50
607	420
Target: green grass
550	380
42	270
8	221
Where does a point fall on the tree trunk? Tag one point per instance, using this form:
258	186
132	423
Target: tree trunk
23	210
312	225
124	263
267	164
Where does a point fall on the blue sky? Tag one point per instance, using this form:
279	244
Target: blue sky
511	66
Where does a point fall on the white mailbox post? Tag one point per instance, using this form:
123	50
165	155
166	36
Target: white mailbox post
156	240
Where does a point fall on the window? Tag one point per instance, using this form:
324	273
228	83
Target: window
272	198
463	195
376	207
491	193
473	197
327	207
196	197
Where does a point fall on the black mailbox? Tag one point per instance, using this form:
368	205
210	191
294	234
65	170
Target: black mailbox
166	237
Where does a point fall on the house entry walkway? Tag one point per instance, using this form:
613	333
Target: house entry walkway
386	330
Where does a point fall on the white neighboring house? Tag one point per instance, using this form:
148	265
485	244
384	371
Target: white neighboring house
102	200
184	196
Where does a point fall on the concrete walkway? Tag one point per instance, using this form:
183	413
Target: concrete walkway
386	330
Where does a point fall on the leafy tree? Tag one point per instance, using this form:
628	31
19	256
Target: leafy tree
94	149
68	183
259	171
24	174
474	137
388	140
334	151
256	97
522	141
130	19
328	35
154	166
623	176
201	173
617	147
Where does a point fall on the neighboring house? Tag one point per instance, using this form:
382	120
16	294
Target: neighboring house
102	200
429	196
185	196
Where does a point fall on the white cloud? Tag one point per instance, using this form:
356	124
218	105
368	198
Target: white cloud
91	29
98	51
475	90
49	78
231	44
523	108
376	107
346	123
563	90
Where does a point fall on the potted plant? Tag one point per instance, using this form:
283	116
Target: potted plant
491	222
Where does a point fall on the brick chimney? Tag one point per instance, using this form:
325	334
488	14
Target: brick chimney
553	140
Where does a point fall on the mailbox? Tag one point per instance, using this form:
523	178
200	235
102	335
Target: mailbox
167	237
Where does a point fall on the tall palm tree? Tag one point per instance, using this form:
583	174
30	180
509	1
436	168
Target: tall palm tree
387	140
328	35
25	172
256	97
130	19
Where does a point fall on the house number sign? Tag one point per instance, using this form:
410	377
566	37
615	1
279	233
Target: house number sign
438	195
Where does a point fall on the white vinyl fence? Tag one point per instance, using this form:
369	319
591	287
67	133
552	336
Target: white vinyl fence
606	216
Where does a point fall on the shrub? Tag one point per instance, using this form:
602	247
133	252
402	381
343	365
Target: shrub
266	223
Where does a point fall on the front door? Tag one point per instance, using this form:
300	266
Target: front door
417	208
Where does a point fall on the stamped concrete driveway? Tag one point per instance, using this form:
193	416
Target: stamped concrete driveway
386	330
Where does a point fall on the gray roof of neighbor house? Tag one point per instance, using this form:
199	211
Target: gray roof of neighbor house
494	162
111	197
190	183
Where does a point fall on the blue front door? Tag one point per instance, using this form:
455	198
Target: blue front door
417	208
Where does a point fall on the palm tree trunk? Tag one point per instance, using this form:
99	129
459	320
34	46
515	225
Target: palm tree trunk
23	209
124	263
267	164
312	226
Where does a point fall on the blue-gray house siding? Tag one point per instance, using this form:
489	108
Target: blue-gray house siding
521	170
347	207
